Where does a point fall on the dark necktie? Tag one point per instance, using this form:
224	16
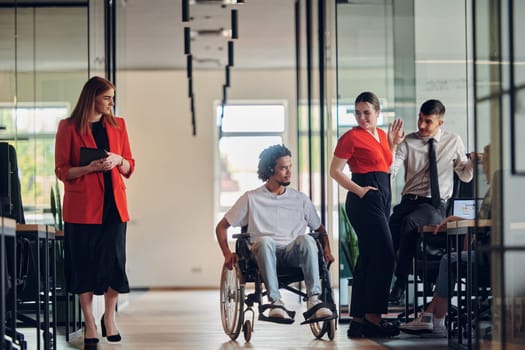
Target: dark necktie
434	183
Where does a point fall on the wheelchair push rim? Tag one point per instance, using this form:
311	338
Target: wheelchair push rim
232	302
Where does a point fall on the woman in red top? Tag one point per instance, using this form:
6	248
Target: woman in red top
95	209
368	151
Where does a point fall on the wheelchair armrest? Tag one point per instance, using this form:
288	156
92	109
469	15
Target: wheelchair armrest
317	235
244	235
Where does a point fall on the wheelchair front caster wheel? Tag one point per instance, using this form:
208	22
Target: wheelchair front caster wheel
319	329
247	330
330	331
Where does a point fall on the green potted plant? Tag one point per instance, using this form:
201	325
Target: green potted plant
56	207
348	239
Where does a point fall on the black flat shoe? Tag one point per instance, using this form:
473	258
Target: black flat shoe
111	338
355	330
382	330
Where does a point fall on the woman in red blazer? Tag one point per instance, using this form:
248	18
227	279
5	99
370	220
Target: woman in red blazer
95	210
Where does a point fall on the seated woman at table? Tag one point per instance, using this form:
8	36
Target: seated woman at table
432	321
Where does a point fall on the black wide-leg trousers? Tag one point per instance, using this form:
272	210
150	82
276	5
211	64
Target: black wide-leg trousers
375	264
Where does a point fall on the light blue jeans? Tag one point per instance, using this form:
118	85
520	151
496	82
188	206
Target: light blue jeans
301	252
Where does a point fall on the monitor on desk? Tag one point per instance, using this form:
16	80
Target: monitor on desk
466	208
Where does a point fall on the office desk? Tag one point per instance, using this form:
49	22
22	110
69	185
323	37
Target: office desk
7	241
458	232
44	237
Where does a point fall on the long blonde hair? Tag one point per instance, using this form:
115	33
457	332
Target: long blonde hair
85	106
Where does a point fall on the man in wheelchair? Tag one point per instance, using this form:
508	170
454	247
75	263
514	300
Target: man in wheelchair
276	217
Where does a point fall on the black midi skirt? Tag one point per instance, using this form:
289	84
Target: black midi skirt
95	257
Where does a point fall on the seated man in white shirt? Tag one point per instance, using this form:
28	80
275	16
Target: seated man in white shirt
417	207
432	321
277	216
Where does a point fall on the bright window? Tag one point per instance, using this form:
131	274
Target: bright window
31	130
246	129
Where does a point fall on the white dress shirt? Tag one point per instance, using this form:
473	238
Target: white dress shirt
412	153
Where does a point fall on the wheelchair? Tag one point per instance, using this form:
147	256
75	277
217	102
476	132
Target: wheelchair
237	306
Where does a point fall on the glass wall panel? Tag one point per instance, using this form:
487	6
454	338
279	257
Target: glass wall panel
43	66
518	128
393	49
311	112
499	77
308	118
303	182
7	69
365	62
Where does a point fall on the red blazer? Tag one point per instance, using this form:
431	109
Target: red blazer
84	196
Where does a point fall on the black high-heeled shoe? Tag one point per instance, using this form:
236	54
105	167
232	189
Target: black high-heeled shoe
89	341
111	338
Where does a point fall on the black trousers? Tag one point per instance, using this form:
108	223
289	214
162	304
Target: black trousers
407	216
375	264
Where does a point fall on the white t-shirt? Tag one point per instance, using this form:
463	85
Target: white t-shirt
283	217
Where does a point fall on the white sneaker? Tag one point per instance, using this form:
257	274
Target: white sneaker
437	332
422	324
278	312
323	312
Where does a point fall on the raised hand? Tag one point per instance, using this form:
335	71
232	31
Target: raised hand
395	133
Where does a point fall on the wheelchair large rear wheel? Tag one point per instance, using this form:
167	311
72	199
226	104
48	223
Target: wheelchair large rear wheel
319	329
232	301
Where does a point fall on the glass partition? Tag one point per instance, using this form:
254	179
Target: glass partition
394	49
365	62
43	65
499	100
474	65
308	119
518	82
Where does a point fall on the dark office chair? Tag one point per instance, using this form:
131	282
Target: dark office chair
10	191
26	280
11	207
26	273
474	306
429	251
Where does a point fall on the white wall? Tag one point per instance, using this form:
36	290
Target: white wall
171	195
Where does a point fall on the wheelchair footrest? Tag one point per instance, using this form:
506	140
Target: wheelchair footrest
262	317
311	312
276	319
313	320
